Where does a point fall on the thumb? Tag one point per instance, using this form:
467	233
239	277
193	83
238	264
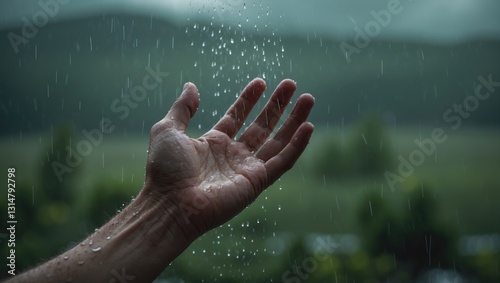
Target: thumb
184	107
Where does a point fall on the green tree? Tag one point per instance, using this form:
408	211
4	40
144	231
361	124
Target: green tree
58	150
429	242
381	236
370	150
329	160
414	238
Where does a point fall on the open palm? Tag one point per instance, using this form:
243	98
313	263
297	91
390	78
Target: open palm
211	179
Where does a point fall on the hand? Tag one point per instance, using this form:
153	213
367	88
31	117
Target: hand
211	179
192	186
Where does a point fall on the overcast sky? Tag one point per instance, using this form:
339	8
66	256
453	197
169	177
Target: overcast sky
431	20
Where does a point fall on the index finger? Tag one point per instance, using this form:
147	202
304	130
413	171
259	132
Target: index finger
236	115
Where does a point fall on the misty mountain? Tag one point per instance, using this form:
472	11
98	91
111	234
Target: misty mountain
76	70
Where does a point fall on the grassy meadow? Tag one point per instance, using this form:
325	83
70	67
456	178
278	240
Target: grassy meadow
463	177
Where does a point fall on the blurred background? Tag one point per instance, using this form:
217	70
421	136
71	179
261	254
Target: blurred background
400	182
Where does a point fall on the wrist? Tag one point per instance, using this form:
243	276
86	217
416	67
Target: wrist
180	205
159	224
144	238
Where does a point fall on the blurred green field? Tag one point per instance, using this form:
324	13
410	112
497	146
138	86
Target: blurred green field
463	177
464	174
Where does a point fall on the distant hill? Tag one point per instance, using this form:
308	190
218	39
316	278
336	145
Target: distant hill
73	71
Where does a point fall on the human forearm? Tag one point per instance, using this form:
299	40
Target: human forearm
136	245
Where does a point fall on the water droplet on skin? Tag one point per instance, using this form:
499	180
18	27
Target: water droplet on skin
81	262
65	257
90	243
108	238
96	249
